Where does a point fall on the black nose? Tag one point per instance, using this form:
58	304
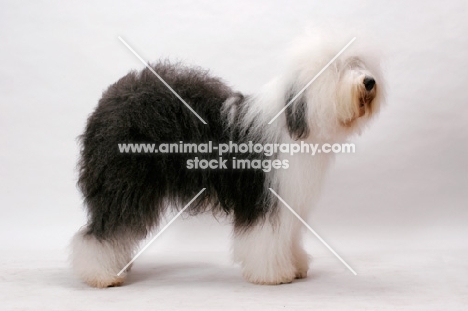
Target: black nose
369	83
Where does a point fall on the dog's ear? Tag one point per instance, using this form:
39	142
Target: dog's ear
296	117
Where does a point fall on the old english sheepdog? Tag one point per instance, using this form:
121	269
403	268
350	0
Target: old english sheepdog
126	194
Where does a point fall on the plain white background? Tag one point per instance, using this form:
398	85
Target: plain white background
396	211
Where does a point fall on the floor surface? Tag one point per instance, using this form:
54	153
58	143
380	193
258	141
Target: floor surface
200	276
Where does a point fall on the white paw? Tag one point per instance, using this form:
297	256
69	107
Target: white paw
103	281
270	276
301	274
98	262
301	263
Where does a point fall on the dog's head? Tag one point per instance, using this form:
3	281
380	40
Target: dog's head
357	93
342	99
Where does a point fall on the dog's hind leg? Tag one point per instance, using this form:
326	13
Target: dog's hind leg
107	244
123	200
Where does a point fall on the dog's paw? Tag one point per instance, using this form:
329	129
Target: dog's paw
301	263
103	281
302	266
301	274
275	278
268	281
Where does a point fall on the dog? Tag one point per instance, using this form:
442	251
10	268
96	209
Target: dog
126	194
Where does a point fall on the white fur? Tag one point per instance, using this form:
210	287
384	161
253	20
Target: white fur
265	251
271	252
97	263
328	97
